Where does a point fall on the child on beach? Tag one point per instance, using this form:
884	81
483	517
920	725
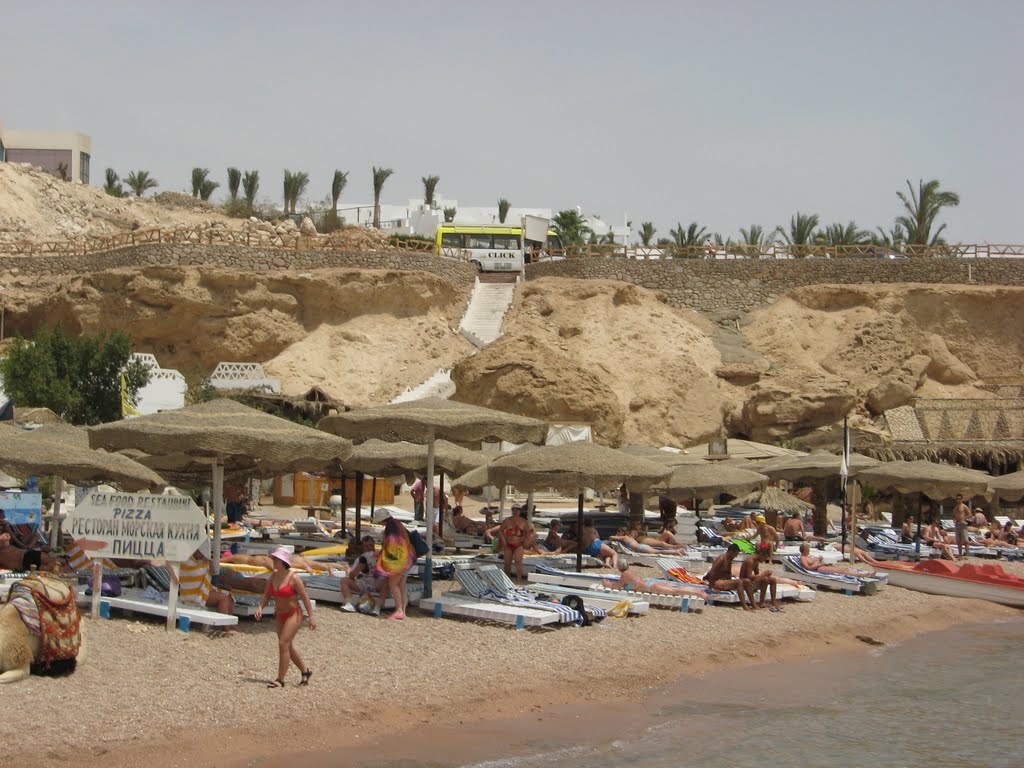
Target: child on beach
286	589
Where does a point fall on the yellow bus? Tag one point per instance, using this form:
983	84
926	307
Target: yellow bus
493	248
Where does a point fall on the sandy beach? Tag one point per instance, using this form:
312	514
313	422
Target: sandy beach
175	699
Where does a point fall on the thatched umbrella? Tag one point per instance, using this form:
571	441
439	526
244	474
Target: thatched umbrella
1008	487
569	468
63	450
388	459
701	480
220	431
424	421
938	481
773	499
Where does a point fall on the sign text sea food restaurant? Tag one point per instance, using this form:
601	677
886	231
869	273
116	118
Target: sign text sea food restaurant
138	525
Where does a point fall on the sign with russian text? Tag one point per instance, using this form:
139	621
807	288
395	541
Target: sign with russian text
20	508
139	526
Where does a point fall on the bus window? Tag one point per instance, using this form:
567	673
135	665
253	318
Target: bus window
506	242
478	241
554	242
451	240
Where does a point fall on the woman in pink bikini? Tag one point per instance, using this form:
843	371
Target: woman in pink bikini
287	589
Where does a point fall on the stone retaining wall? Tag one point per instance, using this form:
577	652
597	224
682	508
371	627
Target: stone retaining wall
236	258
743	285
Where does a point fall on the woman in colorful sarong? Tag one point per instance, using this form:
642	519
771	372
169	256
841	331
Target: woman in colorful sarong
287	589
397	557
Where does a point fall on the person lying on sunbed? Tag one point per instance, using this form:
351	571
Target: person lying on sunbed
1007	535
668	533
633	545
464	524
590	544
655	541
751	572
553	541
817	564
720	578
630	581
265	561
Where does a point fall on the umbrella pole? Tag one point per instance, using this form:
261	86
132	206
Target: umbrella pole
58	491
579	534
917	543
344	505
359	505
440	506
218	516
373	496
428	565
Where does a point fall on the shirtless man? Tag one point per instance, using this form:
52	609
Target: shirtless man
513	533
907	531
631	540
720	578
935	538
360	578
591	544
961	516
817	564
763	580
18	559
553	542
668	533
464	525
265	561
979	521
631	582
793	530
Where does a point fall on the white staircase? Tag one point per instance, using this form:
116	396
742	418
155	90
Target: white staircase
438	385
486	312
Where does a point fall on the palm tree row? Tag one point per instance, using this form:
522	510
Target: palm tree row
917	226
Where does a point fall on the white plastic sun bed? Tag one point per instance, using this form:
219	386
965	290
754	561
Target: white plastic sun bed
842	582
456	604
132	602
587	584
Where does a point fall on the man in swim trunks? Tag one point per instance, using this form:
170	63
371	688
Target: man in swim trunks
591	544
630	581
793	530
513	533
631	541
812	563
961	516
17	559
764	580
720	578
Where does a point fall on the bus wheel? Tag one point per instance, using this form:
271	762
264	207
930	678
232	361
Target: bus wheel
478	265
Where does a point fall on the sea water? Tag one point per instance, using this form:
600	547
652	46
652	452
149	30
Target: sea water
950	698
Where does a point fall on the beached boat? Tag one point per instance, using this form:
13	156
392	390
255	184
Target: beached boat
940	577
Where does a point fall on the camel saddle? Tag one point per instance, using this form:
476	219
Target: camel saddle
48	608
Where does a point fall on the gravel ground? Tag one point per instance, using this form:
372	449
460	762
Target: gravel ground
139	683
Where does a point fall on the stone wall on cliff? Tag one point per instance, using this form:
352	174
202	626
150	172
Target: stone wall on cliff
235	258
743	285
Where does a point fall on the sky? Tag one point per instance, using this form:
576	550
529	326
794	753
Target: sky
724	113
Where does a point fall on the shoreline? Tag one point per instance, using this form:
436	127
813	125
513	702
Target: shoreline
435	675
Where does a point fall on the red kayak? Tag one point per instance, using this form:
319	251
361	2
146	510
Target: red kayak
941	577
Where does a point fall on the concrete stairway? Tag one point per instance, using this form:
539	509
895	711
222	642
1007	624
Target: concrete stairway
486	311
438	385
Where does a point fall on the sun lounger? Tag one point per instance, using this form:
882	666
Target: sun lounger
613	602
455	604
843	582
474	584
783	591
133	602
327	589
590	583
502	584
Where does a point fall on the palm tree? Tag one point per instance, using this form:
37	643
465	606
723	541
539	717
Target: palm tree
429	185
503	209
838	234
647	231
571	227
199	177
113	184
922	211
338	184
692	236
449	214
207	189
139	181
234	179
801	232
380	175
250	186
754	240
894	238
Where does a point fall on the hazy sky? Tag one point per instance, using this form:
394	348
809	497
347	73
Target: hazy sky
725	113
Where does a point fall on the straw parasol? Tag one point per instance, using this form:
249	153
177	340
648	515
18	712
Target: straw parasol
702	480
939	481
1008	487
388	459
814	466
63	450
569	468
424	421
775	499
220	431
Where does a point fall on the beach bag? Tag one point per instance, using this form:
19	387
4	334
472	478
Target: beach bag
110	586
419	545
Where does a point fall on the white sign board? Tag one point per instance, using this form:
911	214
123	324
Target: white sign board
536	228
138	526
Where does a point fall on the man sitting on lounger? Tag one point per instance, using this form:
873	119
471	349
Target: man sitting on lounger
360	578
464	525
591	544
935	538
817	564
720	578
553	541
630	581
751	572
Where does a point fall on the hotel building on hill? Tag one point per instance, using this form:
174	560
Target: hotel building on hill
48	150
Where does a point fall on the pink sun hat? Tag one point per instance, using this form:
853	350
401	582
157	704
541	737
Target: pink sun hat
283	555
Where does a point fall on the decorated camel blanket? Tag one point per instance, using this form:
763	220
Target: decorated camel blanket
48	608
